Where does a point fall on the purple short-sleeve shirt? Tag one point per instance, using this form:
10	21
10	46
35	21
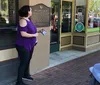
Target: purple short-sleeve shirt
27	43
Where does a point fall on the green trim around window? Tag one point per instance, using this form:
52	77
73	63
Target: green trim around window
93	29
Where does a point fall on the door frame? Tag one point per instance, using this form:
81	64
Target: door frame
72	25
55	47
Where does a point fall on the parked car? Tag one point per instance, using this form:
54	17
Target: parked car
94	22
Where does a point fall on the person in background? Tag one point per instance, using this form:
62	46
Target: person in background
25	43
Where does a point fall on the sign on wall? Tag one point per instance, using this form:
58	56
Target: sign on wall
79	27
41	15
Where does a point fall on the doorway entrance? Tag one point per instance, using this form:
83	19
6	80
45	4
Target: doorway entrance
66	24
62	23
55	25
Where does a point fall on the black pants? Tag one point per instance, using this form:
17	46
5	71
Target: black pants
25	58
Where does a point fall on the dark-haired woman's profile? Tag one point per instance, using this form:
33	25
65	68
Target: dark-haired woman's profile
26	40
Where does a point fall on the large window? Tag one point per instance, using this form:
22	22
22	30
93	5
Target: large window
8	12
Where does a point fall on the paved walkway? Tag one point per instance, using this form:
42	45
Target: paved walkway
73	72
76	64
65	56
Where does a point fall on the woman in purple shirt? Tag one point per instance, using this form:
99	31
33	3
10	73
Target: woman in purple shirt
26	40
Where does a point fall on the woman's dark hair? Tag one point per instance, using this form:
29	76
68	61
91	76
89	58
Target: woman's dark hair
23	11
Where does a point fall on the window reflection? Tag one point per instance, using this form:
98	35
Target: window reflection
54	22
2	19
7	12
66	16
94	14
80	14
3	11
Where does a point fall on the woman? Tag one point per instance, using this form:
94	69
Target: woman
26	40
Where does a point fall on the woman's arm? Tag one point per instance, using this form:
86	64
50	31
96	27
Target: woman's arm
23	30
28	35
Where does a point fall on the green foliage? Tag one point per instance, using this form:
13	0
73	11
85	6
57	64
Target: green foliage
52	4
94	7
4	7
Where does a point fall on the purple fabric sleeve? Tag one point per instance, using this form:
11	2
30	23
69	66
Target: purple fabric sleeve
23	29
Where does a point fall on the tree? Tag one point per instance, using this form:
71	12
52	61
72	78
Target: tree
94	7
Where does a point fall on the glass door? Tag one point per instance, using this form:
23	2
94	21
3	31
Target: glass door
66	26
55	24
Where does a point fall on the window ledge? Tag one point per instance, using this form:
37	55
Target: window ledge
8	29
7	37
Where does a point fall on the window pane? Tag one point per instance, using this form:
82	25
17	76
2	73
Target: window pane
80	14
66	16
54	22
7	12
94	14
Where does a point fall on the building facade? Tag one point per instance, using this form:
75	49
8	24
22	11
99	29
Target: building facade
70	24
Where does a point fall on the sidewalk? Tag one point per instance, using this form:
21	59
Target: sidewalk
73	72
69	67
65	56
